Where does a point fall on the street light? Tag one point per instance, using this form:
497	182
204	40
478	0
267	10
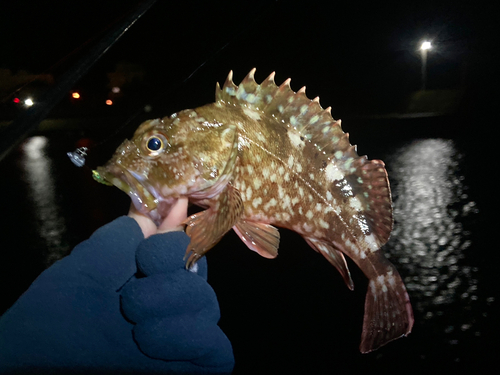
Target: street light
424	47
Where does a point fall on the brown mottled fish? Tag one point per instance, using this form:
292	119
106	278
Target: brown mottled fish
263	155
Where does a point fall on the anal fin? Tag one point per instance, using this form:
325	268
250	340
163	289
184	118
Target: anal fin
334	256
261	238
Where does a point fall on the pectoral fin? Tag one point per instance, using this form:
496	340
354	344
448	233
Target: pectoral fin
262	238
334	256
206	228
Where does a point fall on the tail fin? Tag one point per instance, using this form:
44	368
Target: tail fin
388	313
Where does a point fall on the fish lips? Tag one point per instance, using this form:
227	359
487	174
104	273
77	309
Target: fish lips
143	196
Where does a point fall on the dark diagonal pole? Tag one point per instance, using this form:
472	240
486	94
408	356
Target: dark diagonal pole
27	121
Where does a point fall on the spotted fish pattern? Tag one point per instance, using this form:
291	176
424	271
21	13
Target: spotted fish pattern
263	156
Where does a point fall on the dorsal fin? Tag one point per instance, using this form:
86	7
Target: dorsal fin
305	115
324	133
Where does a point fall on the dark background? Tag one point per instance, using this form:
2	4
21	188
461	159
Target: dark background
293	314
361	57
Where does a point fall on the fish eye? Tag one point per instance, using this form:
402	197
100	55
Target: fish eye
154	143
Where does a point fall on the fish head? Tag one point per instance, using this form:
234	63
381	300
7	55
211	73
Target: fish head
169	158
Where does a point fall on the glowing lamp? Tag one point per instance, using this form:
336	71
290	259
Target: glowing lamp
425	46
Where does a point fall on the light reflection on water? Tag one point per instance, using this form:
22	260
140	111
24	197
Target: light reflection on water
38	173
429	240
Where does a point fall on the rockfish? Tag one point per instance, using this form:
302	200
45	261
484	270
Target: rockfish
263	156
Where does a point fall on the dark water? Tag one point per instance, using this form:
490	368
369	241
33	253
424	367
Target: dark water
293	314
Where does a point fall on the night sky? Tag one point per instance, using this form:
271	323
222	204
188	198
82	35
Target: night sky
357	56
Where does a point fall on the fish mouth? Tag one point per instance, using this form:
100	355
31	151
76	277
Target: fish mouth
144	197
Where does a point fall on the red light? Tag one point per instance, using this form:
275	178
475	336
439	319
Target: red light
17	100
109	102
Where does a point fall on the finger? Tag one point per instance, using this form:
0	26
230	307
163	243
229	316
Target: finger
178	213
147	225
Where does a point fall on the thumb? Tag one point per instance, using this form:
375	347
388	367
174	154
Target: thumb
147	225
178	213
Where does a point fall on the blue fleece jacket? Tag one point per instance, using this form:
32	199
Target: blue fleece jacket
118	303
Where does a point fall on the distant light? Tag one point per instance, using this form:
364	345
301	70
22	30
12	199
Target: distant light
115	90
426	45
29	102
109	102
75	95
17	100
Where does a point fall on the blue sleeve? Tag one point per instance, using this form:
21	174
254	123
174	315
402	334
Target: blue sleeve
71	320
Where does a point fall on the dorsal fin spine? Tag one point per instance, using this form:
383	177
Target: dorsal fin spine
217	90
229	79
250	76
286	83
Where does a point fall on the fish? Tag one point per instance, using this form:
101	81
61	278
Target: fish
260	157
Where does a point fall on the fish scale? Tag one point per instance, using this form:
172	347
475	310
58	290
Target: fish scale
328	147
263	156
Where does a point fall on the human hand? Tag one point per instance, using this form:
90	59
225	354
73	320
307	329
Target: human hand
72	317
173	222
175	312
